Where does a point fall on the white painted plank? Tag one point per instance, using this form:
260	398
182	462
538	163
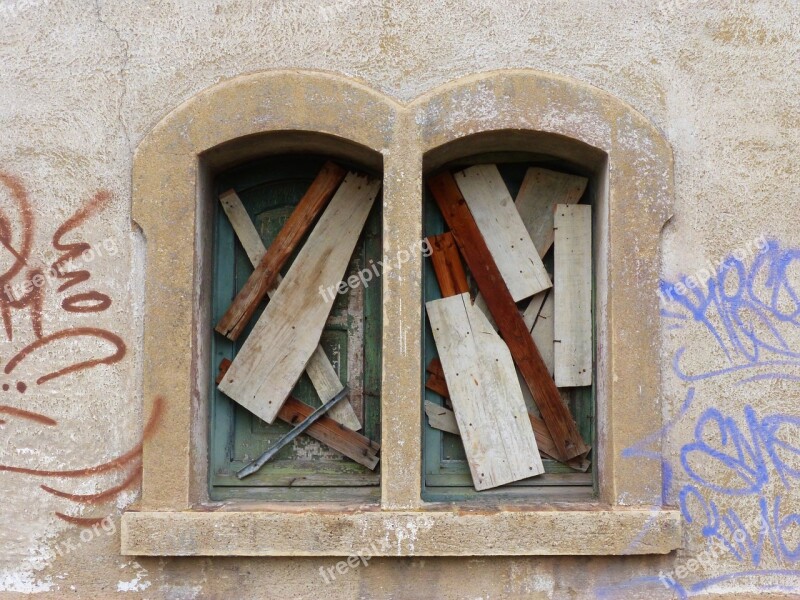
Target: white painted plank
327	383
283	340
543	332
243	226
530	314
527	397
441	418
538	195
487	400
573	295
501	226
320	371
480	303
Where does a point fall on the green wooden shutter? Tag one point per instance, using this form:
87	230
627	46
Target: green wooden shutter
306	469
445	469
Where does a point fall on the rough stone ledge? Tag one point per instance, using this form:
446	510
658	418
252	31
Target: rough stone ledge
601	531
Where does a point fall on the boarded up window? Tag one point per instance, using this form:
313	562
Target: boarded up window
306	469
532	185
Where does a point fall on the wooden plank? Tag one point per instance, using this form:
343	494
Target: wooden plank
445	420
543	440
542	330
503	230
441	418
326	430
531	312
486	397
536	201
579	463
319	369
243	226
447	265
240	312
530	315
556	415
436	383
435	367
327	384
480	303
275	354
573	295
333	434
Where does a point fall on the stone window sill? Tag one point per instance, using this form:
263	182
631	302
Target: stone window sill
306	530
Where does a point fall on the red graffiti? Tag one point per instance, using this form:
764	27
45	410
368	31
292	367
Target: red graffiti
16	250
117	463
17	236
117	355
74	250
86	302
99	497
124	462
26	414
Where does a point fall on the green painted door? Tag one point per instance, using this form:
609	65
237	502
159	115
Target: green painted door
305	469
445	469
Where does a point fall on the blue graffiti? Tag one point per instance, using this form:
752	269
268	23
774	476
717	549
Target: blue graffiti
772	587
748	312
612	592
741	463
742	458
752	315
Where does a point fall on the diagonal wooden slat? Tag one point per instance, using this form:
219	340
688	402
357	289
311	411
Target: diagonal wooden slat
286	334
319	368
566	437
330	432
487	400
322	189
447	265
493	210
536	201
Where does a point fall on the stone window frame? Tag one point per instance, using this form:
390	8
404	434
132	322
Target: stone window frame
283	111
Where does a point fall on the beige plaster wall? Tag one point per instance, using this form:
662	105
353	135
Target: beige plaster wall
82	83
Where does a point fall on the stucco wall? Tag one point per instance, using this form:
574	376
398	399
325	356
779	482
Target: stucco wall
82	84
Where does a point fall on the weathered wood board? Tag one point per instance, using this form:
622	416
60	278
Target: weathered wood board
444	419
330	432
243	227
447	265
276	352
536	201
542	328
435	381
480	303
441	418
573	295
333	434
562	426
498	438
319	368
503	230
531	312
241	310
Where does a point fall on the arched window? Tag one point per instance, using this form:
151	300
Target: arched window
498	118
